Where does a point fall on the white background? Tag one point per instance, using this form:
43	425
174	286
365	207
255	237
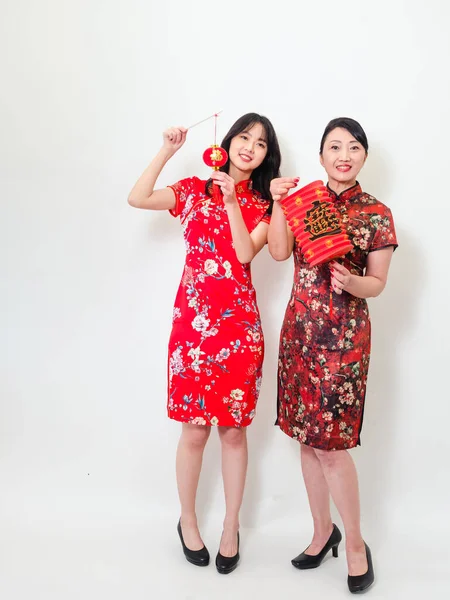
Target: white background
88	502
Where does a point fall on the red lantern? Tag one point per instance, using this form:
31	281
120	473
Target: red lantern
316	224
215	157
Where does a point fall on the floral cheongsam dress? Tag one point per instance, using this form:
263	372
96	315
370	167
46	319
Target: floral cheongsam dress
324	354
216	347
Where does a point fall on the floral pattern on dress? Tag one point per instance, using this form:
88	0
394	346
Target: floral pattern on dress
216	347
324	354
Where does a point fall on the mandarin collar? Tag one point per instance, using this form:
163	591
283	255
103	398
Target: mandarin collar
244	186
346	195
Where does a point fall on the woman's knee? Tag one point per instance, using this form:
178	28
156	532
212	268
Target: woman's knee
195	436
233	437
330	458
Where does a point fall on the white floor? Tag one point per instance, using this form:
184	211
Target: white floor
146	562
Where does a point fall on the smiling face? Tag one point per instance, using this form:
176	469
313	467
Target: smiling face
343	157
247	151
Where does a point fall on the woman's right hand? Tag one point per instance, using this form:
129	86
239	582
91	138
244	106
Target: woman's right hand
279	188
174	138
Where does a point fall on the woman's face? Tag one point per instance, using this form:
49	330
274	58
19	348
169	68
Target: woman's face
248	149
343	157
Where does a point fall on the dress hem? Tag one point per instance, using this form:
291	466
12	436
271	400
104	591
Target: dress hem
317	443
206	424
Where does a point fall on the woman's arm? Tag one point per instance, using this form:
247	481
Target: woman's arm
143	195
280	236
372	283
246	245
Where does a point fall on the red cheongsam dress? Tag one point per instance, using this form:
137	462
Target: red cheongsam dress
216	347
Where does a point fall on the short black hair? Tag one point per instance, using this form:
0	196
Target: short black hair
351	126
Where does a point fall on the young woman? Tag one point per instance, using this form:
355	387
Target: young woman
216	347
324	357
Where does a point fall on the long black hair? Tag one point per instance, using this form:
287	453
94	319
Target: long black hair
269	168
352	126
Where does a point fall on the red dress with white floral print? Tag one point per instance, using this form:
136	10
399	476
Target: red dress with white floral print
216	347
324	356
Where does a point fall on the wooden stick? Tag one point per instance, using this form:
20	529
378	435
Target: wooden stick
207	118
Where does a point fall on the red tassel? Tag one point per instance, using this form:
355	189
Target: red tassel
217	193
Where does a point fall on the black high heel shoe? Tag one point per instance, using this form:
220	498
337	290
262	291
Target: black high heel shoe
227	564
199	558
308	561
360	583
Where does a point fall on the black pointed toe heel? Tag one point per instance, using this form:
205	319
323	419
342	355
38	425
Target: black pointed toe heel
308	561
360	583
227	564
199	558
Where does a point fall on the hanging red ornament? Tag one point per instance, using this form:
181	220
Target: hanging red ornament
214	156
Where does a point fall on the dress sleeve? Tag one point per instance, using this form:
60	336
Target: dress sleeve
184	191
384	235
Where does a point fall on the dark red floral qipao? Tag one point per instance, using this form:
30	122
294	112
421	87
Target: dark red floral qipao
324	357
216	347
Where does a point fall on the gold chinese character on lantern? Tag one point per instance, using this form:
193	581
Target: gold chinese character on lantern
216	155
320	221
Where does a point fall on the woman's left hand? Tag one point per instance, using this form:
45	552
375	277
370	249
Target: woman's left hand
227	186
340	277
